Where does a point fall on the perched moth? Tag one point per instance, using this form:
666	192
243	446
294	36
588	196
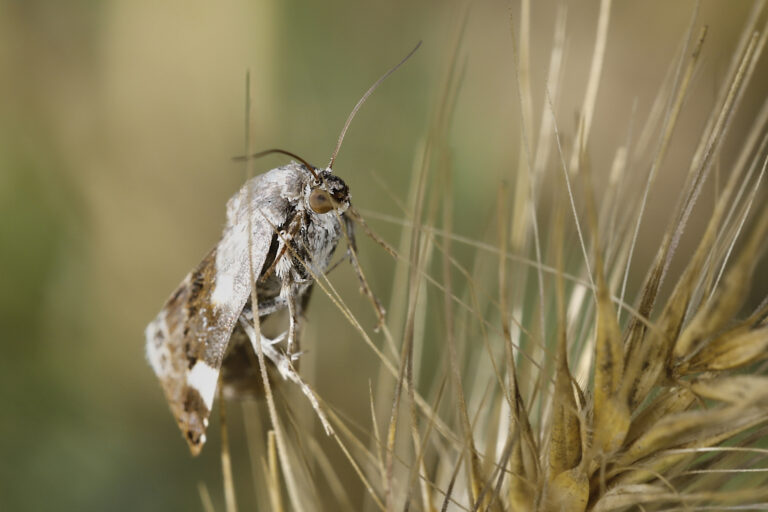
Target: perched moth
282	228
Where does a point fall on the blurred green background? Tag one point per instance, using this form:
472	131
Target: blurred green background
118	121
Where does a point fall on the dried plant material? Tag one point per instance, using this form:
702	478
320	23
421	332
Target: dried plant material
627	495
565	443
648	361
568	491
637	329
590	96
611	411
273	472
611	425
523	469
716	313
727	300
654	468
670	401
205	497
691	427
641	494
741	390
732	350
522	489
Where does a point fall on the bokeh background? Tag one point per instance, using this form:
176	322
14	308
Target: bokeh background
118	121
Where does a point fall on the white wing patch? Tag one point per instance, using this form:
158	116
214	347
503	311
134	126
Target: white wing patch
204	379
224	289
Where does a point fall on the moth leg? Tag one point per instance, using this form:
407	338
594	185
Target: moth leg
347	256
351	240
272	306
304	302
349	228
283	238
284	365
246	319
292	349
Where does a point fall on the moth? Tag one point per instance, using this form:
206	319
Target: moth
282	229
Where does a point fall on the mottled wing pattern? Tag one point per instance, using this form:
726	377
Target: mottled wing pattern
187	340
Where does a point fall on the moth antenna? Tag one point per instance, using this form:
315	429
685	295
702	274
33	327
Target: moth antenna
306	164
362	100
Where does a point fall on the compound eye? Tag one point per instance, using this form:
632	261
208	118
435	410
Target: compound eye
320	201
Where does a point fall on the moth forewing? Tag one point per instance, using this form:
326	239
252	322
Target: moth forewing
187	341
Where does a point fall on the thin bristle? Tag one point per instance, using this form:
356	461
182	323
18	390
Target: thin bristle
205	497
282	450
273	474
226	461
593	84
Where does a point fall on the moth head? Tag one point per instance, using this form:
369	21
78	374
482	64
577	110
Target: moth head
327	193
